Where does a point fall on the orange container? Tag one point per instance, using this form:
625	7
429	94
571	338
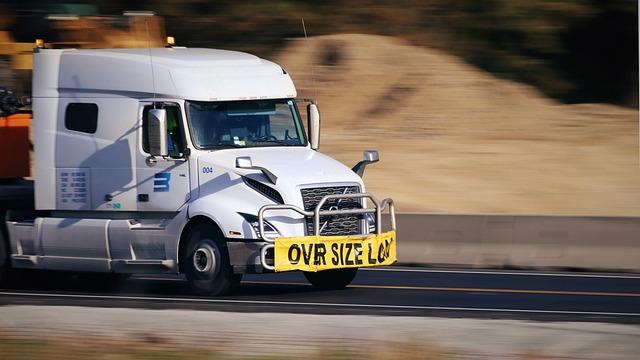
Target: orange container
14	146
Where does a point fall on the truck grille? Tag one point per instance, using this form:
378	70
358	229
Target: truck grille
336	224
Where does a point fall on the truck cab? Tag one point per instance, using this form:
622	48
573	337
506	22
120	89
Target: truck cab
191	161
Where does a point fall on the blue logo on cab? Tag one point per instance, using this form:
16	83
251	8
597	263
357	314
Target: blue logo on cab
161	182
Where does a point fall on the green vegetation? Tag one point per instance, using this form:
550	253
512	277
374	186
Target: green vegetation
573	50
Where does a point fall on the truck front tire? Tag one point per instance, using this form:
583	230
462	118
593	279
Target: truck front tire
206	262
331	279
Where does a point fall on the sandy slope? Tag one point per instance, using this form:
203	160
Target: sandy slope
455	139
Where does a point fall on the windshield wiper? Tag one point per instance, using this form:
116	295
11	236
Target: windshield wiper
250	144
270	141
223	146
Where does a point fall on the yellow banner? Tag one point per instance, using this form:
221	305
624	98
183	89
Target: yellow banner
316	253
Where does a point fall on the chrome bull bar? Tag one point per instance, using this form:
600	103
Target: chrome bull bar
318	212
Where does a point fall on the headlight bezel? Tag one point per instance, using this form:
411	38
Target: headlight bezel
270	230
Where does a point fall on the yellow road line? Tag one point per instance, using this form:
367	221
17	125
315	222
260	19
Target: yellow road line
487	290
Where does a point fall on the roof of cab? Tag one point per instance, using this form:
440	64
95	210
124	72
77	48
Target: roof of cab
176	56
184	73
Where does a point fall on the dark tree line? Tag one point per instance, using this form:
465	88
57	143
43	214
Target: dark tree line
573	50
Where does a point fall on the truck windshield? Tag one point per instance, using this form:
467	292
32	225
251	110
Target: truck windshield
252	123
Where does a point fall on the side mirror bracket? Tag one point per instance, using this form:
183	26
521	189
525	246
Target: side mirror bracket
369	157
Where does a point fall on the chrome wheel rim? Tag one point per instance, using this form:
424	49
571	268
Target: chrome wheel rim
203	259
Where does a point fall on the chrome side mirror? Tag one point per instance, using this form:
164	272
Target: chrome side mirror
369	157
157	132
313	118
244	162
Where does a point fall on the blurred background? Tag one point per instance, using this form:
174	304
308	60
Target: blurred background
501	106
506	107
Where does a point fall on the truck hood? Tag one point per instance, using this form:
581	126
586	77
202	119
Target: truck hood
294	166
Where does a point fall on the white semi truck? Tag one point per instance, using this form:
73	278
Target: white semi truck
194	161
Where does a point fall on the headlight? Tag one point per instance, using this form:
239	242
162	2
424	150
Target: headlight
371	223
269	229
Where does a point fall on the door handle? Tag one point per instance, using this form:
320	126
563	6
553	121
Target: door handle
151	161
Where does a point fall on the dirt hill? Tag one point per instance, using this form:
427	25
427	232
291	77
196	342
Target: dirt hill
456	139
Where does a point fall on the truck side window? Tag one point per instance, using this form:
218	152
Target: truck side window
174	130
82	117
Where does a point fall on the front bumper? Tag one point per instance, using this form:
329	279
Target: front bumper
317	252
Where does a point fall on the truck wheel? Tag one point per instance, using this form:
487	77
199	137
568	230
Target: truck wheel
206	263
331	279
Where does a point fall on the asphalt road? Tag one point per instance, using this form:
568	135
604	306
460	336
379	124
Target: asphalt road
395	291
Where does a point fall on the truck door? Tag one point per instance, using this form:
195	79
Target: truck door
163	182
